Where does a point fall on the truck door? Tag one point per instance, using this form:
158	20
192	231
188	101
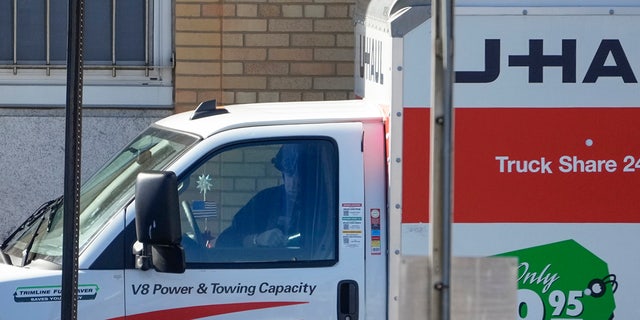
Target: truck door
272	229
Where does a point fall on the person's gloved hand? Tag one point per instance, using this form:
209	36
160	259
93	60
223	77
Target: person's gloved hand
271	238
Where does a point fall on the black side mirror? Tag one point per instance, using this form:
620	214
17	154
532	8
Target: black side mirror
158	227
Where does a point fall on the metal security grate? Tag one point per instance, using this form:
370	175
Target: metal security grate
125	29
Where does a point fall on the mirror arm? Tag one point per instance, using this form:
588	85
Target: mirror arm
143	256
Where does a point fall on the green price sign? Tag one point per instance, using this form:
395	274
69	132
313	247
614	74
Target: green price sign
563	281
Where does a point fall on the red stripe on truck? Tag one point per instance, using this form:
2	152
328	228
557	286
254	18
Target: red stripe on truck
531	165
196	312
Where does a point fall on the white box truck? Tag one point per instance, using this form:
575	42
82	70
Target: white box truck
303	210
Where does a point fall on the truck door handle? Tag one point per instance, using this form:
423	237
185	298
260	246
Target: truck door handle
347	300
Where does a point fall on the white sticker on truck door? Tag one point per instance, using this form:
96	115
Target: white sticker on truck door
52	293
352	222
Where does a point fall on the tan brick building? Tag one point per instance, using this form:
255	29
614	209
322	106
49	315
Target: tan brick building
145	60
262	50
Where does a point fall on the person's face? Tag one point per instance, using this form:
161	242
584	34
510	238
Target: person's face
291	184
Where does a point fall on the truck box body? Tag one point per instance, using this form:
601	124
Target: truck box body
546	112
546	165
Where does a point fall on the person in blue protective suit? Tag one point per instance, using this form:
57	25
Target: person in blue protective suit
272	218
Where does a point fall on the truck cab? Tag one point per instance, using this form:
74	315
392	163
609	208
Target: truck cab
546	162
231	168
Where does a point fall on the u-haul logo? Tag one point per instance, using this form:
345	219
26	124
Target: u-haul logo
608	60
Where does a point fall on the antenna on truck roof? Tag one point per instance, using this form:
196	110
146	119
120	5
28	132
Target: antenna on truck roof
206	109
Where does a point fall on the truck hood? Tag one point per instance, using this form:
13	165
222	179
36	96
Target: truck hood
13	273
34	293
24	283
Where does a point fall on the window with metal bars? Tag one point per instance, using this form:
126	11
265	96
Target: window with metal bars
123	40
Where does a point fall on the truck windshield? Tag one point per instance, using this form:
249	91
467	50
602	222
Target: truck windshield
102	196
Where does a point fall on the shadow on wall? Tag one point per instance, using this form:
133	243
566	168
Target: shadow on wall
32	158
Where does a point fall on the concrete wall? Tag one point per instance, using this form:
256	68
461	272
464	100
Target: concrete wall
32	153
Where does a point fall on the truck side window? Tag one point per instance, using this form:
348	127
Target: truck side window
269	203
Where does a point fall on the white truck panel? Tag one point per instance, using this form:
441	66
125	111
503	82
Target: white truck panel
523	55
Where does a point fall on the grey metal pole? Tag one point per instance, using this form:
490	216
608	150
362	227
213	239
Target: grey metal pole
73	135
441	188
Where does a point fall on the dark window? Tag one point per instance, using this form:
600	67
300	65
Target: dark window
268	203
40	27
6	31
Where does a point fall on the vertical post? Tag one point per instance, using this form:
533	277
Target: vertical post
147	30
72	157
441	188
15	37
114	7
48	36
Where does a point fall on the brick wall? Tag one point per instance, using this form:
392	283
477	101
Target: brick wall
263	50
237	175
